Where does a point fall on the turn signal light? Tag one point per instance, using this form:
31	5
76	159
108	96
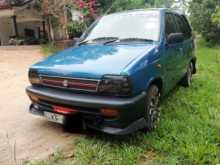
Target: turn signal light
34	98
109	112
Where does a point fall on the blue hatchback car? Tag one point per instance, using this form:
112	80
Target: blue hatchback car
114	78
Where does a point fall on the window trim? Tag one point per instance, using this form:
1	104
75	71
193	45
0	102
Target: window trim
184	27
188	33
166	15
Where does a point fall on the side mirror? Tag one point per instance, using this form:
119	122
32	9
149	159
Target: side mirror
175	38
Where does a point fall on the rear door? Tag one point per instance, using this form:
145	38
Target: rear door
187	46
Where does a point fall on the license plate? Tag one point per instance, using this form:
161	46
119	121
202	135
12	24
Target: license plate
53	117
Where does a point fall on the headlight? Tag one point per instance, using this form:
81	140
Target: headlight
34	77
115	85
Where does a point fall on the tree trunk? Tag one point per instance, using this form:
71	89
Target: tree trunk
50	30
65	23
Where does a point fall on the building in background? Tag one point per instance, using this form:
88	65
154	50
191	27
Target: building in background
20	21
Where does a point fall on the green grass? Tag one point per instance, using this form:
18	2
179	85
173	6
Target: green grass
189	132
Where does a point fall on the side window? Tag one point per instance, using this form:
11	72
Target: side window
179	24
170	25
188	29
182	26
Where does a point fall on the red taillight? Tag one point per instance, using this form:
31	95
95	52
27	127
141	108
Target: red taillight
64	110
107	112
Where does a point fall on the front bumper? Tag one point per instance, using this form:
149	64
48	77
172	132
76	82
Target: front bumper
130	109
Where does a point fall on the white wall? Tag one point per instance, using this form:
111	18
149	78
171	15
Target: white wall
6	30
26	18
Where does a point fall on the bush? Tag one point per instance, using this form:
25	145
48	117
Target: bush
202	19
216	16
76	28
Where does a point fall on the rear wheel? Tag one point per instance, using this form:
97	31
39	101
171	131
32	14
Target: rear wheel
152	109
187	79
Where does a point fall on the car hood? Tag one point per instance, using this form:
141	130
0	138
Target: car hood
91	61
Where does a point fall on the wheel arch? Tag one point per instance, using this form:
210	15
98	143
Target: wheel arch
158	82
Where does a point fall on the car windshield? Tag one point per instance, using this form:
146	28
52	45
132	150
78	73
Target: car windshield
133	25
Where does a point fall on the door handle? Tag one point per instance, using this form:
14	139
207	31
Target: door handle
181	50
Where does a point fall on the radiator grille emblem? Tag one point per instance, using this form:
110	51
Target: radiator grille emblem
65	83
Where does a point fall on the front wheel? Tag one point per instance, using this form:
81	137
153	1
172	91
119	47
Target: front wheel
152	109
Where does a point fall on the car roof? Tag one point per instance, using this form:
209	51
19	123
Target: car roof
148	9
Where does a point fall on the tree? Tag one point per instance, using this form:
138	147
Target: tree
56	10
55	14
201	16
98	7
120	5
108	6
94	8
88	8
216	16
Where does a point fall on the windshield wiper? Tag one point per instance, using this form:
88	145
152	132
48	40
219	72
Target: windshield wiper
109	40
115	39
137	39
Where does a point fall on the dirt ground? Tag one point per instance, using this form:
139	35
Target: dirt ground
22	135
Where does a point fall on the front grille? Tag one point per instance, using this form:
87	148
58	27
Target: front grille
89	85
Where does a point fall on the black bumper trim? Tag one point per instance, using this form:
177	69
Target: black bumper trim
68	98
133	127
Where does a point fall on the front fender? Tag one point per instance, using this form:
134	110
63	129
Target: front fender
145	71
152	80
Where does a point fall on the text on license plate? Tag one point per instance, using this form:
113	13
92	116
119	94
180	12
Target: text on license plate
53	117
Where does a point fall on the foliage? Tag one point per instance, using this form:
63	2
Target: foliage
91	9
17	41
88	8
76	28
100	7
120	5
201	18
216	16
189	132
53	7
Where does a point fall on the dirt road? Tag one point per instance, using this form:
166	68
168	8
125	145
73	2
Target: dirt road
22	135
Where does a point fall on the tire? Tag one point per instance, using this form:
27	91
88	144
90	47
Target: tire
152	108
187	79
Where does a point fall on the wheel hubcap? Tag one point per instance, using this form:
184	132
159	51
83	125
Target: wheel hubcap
153	109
